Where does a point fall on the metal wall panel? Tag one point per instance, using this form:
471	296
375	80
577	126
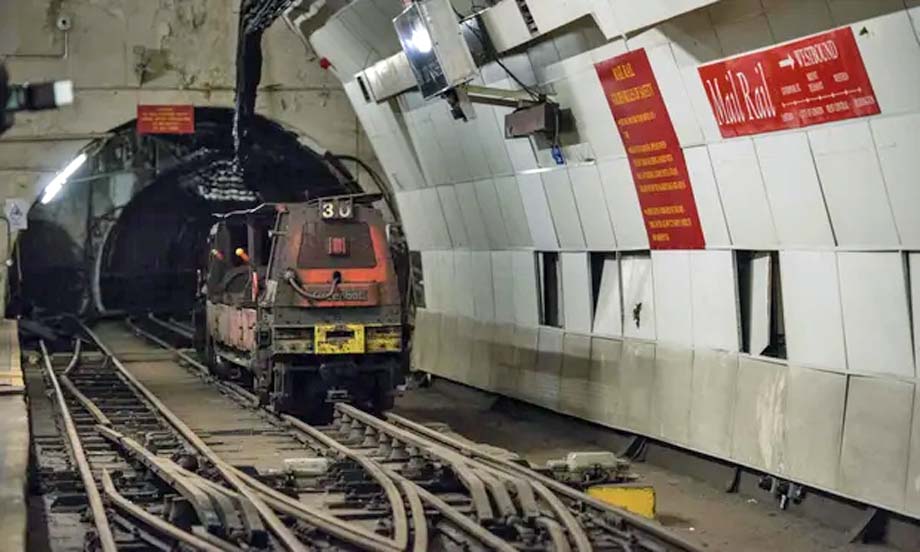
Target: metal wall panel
876	313
526	290
675	97
794	191
512	209
741	187
576	292
912	496
623	204
757	433
543	378
673	298
876	433
539	219
462	285
811	309
483	299
492	135
491	210
852	181
503	286
453	216
472	216
812	429
592	208
638	296
481	367
504	373
898	144
715	300
608	316
706	194
436	227
670	417
713	390
558	189
576	394
895	83
606	398
637	370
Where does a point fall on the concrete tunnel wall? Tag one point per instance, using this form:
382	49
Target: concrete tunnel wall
837	202
128	52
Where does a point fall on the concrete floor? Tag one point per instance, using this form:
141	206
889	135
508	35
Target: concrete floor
696	510
14	460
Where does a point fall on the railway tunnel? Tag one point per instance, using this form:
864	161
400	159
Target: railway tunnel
590	275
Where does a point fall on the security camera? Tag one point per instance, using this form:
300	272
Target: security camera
64	23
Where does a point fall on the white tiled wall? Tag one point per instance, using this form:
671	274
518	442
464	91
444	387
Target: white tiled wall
657	351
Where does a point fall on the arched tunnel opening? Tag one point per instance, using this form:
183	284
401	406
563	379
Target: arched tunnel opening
128	232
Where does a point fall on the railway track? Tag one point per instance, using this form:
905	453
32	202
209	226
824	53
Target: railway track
171	458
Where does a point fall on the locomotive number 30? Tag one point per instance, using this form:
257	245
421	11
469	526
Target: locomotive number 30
341	208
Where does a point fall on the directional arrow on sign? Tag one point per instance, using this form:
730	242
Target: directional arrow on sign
787	62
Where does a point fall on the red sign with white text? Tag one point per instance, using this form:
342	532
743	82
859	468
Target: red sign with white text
814	80
655	156
166	119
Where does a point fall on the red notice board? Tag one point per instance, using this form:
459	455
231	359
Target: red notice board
655	157
165	119
814	80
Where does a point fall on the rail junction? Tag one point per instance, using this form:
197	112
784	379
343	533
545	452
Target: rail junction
141	448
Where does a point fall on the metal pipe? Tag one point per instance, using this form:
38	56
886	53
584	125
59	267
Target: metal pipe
106	540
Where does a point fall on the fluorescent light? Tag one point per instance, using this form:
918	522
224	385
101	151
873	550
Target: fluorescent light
57	183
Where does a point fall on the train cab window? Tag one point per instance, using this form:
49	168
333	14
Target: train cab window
338	244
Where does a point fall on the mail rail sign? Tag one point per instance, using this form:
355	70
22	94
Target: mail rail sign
655	157
806	82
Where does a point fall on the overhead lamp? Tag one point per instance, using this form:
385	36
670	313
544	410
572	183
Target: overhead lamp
57	183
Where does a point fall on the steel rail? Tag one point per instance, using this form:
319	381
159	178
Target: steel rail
221	495
199	501
419	521
75	359
181	325
106	539
474	529
281	531
465	474
577	533
174	350
397	506
573	494
160	525
280	502
86	403
448	511
574	529
170	326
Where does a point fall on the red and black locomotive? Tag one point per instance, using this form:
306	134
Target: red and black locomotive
302	300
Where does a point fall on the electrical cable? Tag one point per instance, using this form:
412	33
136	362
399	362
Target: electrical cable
291	278
494	55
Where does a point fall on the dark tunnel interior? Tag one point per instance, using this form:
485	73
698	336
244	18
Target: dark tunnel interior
128	232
